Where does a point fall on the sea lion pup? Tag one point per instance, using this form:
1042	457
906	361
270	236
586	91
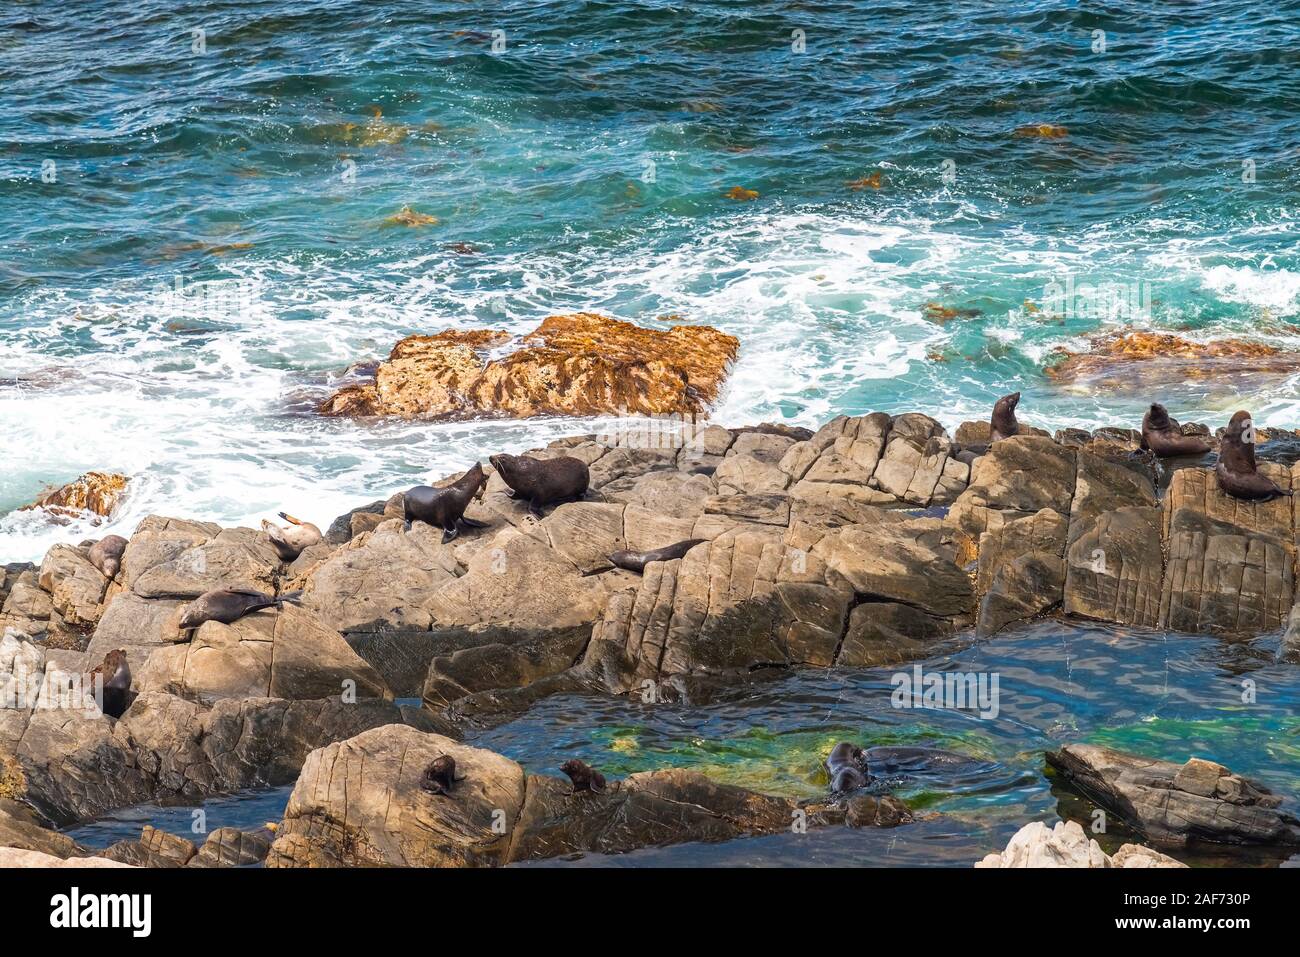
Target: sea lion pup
117	683
440	776
542	481
106	555
1236	470
1162	436
1003	424
583	776
637	561
290	542
847	765
228	605
444	507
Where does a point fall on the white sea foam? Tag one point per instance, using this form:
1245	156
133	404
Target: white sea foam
190	400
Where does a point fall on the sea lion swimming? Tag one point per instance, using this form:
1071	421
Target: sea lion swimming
583	776
542	481
847	764
637	561
228	605
445	507
290	542
1003	424
440	776
1236	470
117	683
1162	435
106	555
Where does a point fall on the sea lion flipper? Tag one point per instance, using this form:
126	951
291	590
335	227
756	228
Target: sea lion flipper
472	523
450	534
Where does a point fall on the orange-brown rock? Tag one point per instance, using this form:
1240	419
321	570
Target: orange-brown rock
97	492
581	364
1137	359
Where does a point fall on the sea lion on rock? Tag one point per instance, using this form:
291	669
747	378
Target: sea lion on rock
1236	470
440	776
228	605
542	481
583	776
117	683
106	555
847	764
445	507
1003	424
1162	435
637	561
290	542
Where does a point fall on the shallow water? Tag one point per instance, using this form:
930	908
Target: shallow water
202	265
1162	696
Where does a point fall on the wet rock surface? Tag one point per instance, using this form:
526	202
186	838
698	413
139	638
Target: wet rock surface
869	542
1175	804
581	364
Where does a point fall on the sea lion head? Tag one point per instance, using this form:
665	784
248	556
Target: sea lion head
1238	425
480	489
504	464
1157	418
193	615
1003	421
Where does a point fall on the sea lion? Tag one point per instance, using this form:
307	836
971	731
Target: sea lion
117	682
440	776
1003	423
228	605
290	542
847	764
445	507
637	561
1236	470
106	555
542	481
1162	436
583	776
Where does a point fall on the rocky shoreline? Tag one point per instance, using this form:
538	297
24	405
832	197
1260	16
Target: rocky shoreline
877	540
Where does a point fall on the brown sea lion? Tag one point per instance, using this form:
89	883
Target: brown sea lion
847	764
637	561
440	776
1003	424
542	481
290	542
117	683
228	605
583	776
1236	470
1162	435
444	507
106	555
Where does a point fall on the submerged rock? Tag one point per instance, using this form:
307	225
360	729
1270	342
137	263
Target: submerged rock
1174	804
581	364
1143	361
1066	845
